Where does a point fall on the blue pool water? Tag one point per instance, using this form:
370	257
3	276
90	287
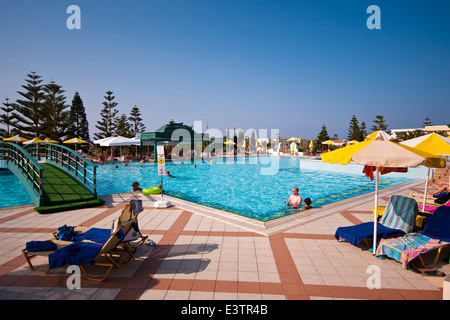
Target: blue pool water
252	188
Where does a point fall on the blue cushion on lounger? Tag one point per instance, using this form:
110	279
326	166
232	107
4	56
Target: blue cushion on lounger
356	234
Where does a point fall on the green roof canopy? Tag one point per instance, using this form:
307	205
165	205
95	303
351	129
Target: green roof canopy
169	133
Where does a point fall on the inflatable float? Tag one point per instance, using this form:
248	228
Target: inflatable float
148	191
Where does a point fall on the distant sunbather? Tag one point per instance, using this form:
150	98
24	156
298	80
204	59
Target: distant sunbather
443	188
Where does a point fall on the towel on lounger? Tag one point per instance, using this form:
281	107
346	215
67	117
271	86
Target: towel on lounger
35	246
137	206
77	253
65	233
94	234
406	248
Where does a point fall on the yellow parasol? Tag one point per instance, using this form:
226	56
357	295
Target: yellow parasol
16	138
378	135
34	140
74	141
48	140
293	139
432	143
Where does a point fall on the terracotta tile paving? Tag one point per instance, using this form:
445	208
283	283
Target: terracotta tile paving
199	256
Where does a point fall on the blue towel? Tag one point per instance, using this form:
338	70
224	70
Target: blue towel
440	195
137	206
35	246
77	253
65	233
438	224
94	234
356	234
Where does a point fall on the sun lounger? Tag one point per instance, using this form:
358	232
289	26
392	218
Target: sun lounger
435	236
83	253
134	238
399	217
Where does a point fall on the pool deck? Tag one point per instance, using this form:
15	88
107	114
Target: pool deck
206	254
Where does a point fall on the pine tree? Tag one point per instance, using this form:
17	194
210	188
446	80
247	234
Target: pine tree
29	111
56	120
322	137
136	122
79	125
107	124
380	124
7	120
427	122
362	132
123	127
252	141
354	130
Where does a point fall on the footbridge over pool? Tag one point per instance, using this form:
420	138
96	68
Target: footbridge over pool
56	177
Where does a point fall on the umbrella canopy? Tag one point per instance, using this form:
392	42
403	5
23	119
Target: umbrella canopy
352	142
16	138
103	140
120	141
311	144
50	140
432	143
35	140
381	152
74	141
293	139
378	135
229	142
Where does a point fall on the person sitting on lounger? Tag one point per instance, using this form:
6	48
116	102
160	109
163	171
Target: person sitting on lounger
443	188
295	200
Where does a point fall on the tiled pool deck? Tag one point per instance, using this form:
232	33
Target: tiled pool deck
205	254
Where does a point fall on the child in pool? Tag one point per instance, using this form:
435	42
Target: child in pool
135	186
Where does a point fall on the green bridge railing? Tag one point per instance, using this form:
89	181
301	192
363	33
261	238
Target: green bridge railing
26	168
69	161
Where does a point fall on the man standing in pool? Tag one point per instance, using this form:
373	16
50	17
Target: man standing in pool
295	200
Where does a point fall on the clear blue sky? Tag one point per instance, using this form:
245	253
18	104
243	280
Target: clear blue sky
287	65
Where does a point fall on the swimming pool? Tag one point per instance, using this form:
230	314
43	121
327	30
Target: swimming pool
238	186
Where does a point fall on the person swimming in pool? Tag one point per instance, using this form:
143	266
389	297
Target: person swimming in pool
295	200
135	186
169	175
307	204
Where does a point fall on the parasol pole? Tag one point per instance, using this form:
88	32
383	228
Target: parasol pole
375	216
426	190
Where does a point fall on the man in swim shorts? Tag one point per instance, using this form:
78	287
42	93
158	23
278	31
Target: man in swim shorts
295	200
